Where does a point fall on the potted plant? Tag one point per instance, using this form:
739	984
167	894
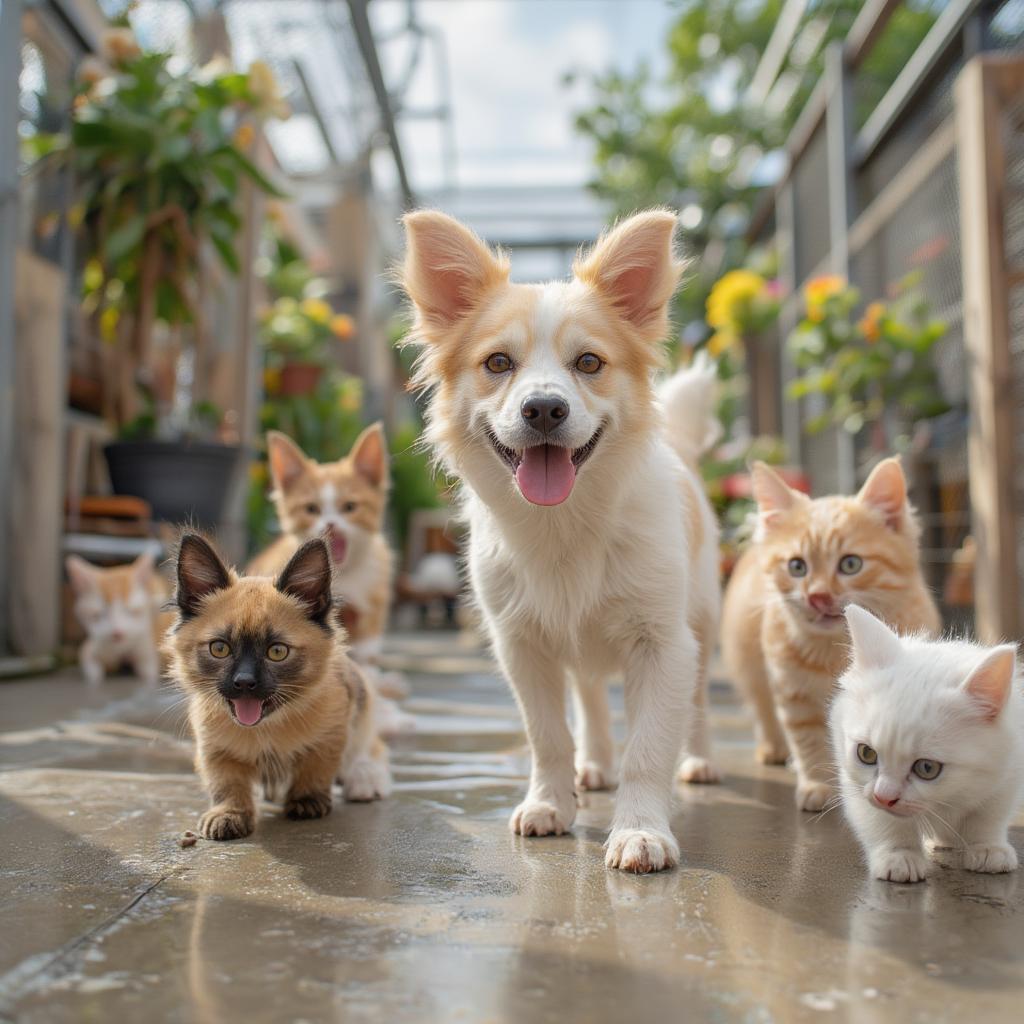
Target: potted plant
159	160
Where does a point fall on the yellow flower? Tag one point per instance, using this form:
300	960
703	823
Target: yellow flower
720	342
343	326
818	291
730	298
244	134
317	310
271	380
871	323
265	92
108	324
118	45
350	397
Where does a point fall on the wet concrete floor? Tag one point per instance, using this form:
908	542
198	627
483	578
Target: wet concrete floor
425	907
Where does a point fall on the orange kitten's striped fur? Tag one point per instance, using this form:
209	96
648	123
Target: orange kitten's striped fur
784	638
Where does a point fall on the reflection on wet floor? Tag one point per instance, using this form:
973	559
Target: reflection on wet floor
425	908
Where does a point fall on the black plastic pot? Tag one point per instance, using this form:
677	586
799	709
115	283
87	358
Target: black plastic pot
184	482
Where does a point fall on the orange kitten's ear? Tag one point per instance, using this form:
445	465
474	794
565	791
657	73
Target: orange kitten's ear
288	462
370	454
875	645
307	577
144	566
447	269
200	573
635	266
773	495
989	684
81	573
886	490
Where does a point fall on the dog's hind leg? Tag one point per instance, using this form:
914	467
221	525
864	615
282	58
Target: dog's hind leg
595	752
697	765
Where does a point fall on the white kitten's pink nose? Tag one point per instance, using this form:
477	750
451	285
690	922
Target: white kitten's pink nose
885	794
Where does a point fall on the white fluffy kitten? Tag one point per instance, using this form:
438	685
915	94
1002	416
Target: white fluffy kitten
929	739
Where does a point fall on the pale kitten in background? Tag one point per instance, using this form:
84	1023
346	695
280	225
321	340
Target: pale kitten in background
929	739
119	608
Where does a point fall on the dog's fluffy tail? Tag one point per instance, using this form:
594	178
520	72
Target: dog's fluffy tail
688	400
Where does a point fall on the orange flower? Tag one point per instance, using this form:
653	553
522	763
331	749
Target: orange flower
871	323
818	291
343	326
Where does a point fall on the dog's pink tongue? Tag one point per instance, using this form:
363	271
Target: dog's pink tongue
546	474
248	710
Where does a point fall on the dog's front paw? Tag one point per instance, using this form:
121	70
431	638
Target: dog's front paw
900	866
307	805
366	780
539	818
698	770
641	850
220	824
592	776
812	796
991	860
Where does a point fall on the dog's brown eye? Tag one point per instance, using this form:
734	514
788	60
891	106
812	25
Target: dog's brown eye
498	363
589	363
219	649
313	510
277	652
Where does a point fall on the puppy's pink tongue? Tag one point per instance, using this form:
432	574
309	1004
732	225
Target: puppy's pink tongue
248	710
546	474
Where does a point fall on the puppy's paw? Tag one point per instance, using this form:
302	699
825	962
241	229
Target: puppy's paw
900	866
592	776
539	818
641	850
990	860
366	780
220	824
812	796
698	770
307	805
767	752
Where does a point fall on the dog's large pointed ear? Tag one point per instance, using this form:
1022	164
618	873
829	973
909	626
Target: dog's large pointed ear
370	454
200	573
307	577
447	268
288	461
636	268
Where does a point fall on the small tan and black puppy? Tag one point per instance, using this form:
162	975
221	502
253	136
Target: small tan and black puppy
273	696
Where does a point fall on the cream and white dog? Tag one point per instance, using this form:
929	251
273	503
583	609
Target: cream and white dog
592	547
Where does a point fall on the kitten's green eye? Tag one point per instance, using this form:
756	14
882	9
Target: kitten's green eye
589	363
219	649
498	363
797	567
926	769
850	564
277	652
866	754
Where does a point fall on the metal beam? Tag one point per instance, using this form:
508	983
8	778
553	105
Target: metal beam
368	51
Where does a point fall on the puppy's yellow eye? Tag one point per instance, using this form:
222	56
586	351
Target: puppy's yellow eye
219	649
277	652
498	363
589	363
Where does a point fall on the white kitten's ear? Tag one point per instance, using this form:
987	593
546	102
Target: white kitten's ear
370	454
773	495
288	461
886	490
875	645
989	684
635	266
447	268
81	573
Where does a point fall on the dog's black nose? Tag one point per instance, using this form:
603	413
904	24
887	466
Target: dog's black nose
544	412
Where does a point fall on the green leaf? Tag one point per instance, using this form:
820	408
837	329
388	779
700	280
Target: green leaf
123	239
227	251
252	172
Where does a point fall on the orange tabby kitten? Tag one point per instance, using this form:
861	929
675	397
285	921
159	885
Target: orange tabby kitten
784	637
343	502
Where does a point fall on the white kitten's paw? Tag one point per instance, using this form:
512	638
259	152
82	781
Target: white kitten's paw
593	777
900	866
539	818
641	850
365	780
991	860
698	770
767	752
813	796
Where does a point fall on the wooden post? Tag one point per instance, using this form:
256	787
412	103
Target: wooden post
982	89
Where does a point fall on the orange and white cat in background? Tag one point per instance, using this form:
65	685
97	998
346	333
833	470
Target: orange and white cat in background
120	610
784	634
